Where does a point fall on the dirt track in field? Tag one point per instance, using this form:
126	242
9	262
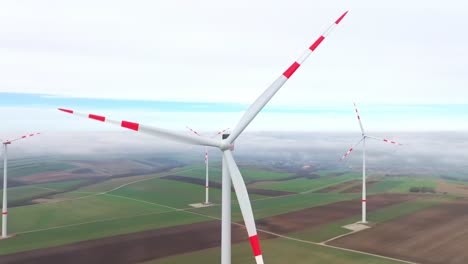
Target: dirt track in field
358	188
217	185
437	235
339	187
165	242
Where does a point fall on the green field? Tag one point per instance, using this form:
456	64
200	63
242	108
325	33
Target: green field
278	251
250	175
307	185
131	204
144	204
26	193
23	170
400	185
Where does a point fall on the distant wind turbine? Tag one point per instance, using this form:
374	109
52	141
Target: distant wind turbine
207	178
5	168
230	168
363	140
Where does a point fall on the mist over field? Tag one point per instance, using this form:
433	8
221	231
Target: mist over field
424	153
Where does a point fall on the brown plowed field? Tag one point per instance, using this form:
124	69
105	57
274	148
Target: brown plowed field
165	242
435	235
452	188
133	248
316	216
217	185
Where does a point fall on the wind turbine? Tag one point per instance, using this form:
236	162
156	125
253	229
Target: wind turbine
5	166
363	140
207	178
229	166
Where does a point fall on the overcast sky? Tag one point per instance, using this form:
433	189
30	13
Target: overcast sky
399	54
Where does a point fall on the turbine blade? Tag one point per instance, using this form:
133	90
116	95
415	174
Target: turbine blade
193	131
351	149
266	96
385	140
220	132
154	131
245	206
359	118
24	136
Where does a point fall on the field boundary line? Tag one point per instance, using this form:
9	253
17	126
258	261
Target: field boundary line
287	237
92	194
340	236
45	188
91	222
188	211
326	186
339	248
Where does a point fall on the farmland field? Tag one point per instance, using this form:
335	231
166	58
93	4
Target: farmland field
410	237
82	213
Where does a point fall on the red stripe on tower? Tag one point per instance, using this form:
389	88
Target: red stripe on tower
291	70
255	245
364	200
316	43
66	110
97	117
4	213
130	125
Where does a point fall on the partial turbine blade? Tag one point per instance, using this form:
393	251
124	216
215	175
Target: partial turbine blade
261	101
351	149
385	140
193	131
245	206
25	136
220	132
154	131
359	118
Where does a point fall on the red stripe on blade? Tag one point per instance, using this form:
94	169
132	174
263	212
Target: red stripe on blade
291	70
130	125
66	110
341	18
255	245
97	117
317	43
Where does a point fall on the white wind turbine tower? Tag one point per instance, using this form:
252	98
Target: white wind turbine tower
207	177
230	170
5	168
363	140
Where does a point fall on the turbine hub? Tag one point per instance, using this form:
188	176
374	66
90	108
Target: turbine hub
224	145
